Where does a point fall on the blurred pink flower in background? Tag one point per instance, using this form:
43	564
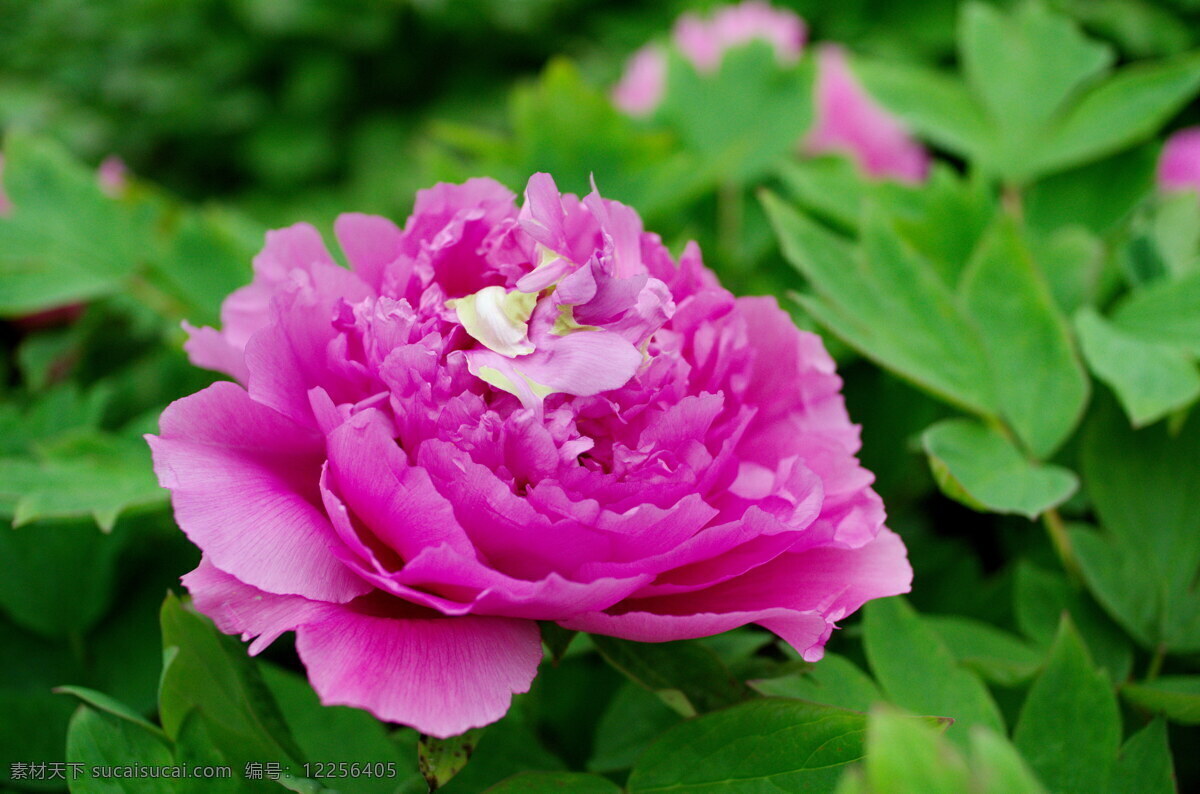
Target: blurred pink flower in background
113	175
1179	164
849	121
500	415
5	202
704	41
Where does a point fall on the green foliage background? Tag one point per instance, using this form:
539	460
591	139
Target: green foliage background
1019	338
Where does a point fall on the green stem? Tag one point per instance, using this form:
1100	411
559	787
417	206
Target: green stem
730	212
1010	198
1057	531
1156	662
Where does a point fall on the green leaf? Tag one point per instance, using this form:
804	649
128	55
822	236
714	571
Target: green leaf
65	241
1024	67
549	782
109	705
979	467
85	474
996	655
1040	385
59	577
1143	568
439	760
337	733
919	673
1176	696
1151	380
1099	196
831	187
1126	109
769	744
863	296
1168	312
506	748
1070	729
566	127
208	672
907	754
208	259
688	677
35	720
936	106
743	118
97	738
633	719
1076	266
194	746
1041	597
998	768
556	639
834	681
1144	765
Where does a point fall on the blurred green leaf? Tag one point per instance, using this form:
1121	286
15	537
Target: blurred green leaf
998	767
60	576
98	738
1023	67
996	655
549	782
1144	765
1126	109
919	673
1070	729
86	474
937	106
1076	266
1167	311
66	241
1041	98
1098	196
1151	380
194	746
211	673
1176	696
337	733
1142	569
833	681
775	743
688	677
979	467
109	705
741	119
1041	598
907	754
633	719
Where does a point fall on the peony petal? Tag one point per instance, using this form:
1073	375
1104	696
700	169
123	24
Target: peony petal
371	244
850	121
243	482
404	664
442	676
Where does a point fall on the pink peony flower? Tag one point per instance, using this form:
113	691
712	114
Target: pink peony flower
849	121
498	416
704	43
1179	164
